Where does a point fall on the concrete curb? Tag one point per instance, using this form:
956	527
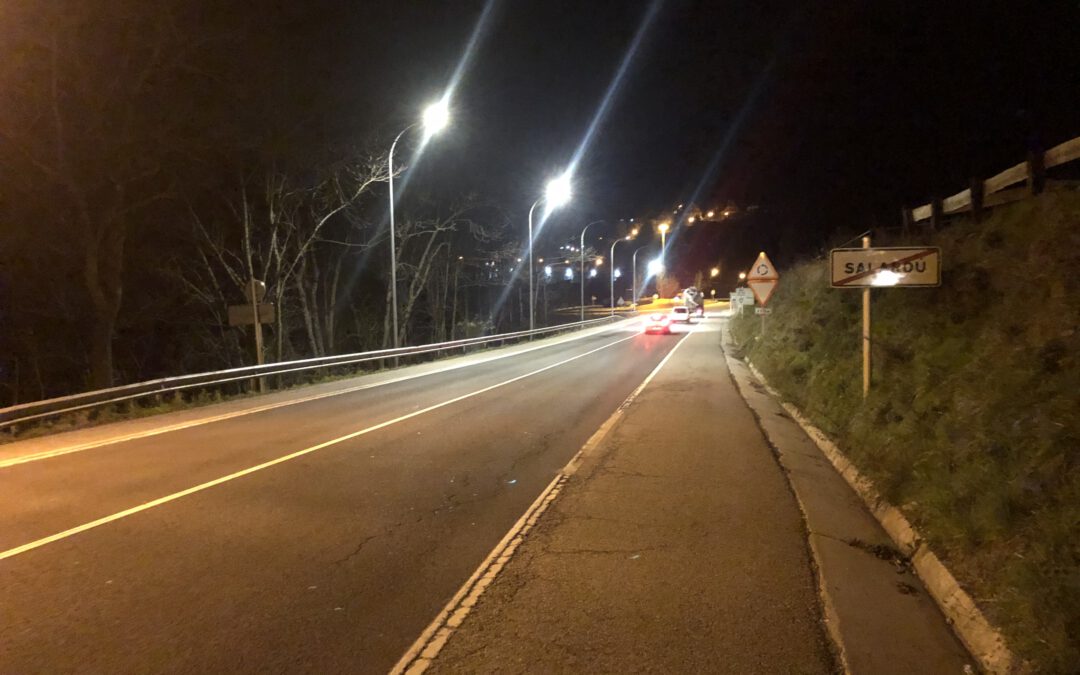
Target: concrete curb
981	638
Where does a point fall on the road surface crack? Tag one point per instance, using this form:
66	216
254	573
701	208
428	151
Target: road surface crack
359	547
606	551
610	471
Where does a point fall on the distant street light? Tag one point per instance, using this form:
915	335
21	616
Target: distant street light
615	272
582	249
714	272
633	270
557	193
435	118
742	276
655	266
663	228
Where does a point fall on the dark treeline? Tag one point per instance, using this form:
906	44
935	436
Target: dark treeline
150	168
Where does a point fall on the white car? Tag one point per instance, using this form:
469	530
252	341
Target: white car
681	314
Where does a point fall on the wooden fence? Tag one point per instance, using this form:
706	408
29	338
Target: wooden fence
999	189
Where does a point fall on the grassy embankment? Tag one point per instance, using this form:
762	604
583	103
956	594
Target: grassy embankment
973	423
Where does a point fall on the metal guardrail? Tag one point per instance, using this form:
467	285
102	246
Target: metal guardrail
36	410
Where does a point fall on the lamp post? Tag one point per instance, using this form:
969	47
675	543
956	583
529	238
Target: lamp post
611	258
663	228
436	117
633	269
581	250
557	193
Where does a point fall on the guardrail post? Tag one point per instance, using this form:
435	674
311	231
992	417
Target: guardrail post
1036	178
978	193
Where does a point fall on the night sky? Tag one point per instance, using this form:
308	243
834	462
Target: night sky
815	121
828	117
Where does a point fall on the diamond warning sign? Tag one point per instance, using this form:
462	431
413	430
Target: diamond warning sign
763	279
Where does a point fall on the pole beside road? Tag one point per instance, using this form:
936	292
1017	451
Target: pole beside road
532	319
393	241
256	292
581	251
866	332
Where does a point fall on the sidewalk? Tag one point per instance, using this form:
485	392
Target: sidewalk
677	547
682	544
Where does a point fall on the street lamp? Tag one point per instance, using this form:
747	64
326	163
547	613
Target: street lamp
435	118
614	270
663	228
655	266
742	276
557	193
633	270
582	250
714	272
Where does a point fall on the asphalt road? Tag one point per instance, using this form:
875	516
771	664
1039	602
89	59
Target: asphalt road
333	559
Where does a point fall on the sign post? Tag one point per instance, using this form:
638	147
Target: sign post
762	280
868	268
255	313
866	333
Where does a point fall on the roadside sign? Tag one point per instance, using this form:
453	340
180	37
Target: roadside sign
763	290
762	279
244	315
742	296
885	266
762	269
763	310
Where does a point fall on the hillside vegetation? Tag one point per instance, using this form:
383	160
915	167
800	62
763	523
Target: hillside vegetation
972	426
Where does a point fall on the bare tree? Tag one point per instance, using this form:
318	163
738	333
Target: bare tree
274	234
424	241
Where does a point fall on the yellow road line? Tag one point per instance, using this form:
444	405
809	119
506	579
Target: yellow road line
280	460
89	445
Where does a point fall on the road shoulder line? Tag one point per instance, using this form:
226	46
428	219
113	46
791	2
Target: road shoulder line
426	648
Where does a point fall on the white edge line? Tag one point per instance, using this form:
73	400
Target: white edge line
89	445
280	460
423	651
